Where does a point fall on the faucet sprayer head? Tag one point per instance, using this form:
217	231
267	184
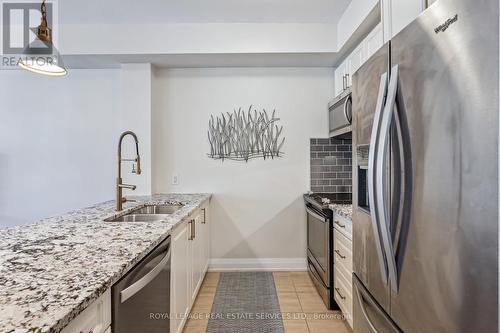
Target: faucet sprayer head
138	165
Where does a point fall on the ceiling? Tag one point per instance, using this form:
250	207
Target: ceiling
200	11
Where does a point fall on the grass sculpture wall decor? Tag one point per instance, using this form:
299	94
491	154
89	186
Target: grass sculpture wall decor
242	136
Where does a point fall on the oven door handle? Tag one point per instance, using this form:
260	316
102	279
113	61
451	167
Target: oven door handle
314	214
146	279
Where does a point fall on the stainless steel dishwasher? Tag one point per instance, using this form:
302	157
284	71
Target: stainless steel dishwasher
141	299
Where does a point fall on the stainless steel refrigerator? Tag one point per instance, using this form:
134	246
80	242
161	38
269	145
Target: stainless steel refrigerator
425	171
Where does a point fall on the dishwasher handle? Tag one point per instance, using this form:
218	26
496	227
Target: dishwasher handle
146	279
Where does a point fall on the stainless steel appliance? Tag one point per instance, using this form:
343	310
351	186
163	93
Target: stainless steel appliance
320	242
340	114
425	131
141	299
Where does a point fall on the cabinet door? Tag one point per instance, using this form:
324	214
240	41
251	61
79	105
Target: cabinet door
356	59
397	14
95	318
339	83
196	256
203	239
373	41
206	235
180	281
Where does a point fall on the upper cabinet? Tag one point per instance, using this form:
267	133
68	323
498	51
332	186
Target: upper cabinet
397	14
365	49
355	24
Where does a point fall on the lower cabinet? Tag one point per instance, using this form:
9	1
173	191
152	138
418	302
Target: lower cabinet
96	318
342	235
189	263
190	255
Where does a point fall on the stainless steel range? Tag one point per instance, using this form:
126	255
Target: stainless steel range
320	241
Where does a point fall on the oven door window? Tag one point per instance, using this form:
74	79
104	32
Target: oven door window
317	239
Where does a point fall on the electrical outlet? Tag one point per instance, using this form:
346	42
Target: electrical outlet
175	179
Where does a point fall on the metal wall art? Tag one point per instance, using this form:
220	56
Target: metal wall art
241	135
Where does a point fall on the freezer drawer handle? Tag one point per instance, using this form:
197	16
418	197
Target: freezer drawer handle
145	280
340	255
363	310
339	224
372	193
338	292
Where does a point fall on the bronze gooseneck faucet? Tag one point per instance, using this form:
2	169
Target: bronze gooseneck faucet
136	168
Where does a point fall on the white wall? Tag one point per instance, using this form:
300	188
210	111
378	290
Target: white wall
197	38
135	114
257	209
57	142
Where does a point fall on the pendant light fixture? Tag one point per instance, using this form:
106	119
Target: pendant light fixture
41	56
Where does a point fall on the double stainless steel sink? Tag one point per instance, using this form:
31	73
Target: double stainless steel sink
150	213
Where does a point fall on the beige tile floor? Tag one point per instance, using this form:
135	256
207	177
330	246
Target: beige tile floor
302	308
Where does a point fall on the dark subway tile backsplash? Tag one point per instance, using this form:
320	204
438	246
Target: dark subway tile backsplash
331	165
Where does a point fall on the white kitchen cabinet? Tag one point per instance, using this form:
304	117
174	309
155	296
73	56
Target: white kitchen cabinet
364	50
342	257
96	318
397	14
197	247
190	258
180	300
340	73
356	59
373	42
206	233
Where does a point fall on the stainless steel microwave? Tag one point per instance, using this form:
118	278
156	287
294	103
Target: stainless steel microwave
340	114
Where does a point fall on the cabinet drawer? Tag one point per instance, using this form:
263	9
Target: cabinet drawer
96	318
342	252
343	225
343	295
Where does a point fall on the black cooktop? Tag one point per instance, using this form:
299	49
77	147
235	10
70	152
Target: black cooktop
321	200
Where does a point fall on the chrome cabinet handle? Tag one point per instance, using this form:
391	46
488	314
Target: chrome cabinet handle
344	85
338	292
382	176
145	280
339	254
339	224
191	235
194	228
204	215
347	81
372	159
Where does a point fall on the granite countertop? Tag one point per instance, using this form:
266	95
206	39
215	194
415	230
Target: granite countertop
50	271
344	210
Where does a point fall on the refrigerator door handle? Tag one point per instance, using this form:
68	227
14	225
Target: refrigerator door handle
372	193
382	171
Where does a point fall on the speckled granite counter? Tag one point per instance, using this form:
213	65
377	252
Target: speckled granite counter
342	210
50	271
